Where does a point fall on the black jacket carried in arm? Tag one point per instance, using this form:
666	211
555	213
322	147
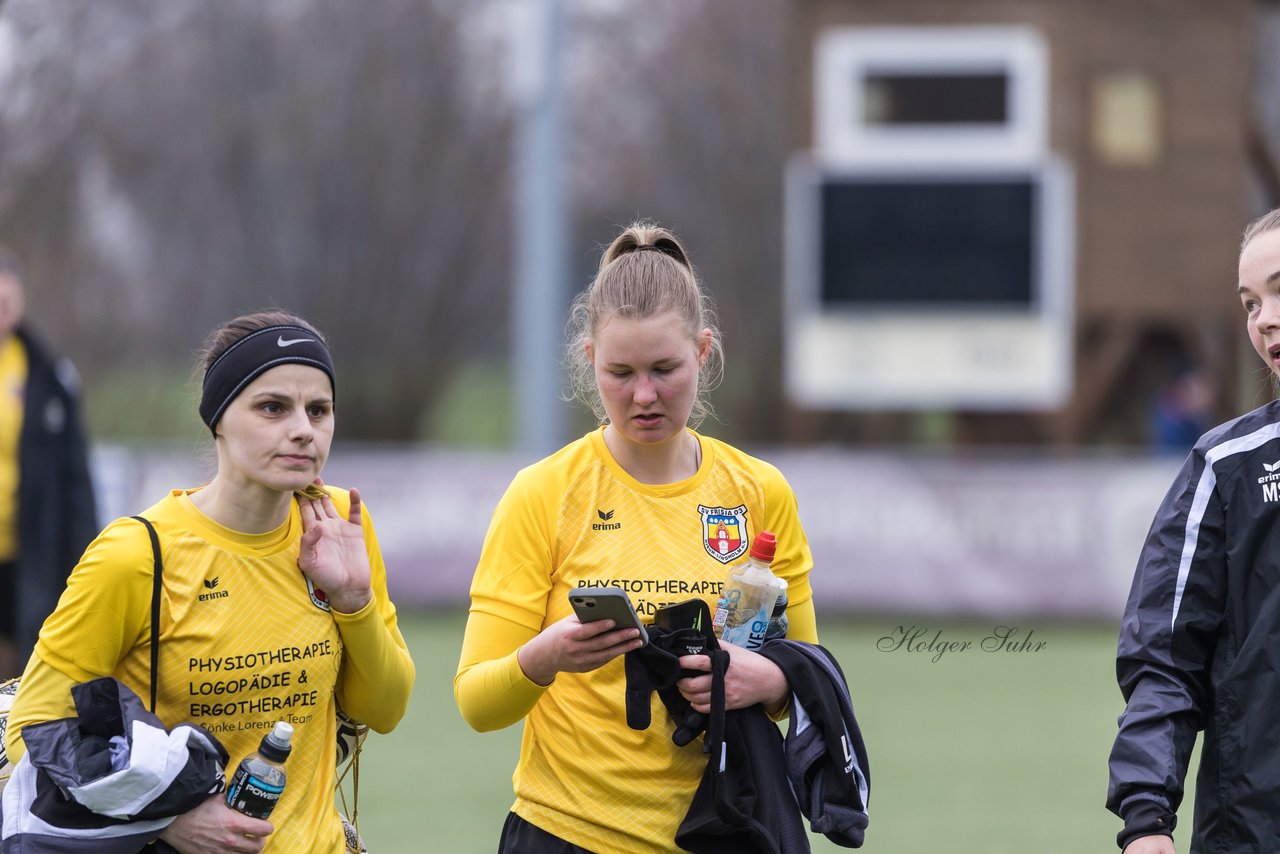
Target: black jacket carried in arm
744	803
56	513
755	786
1200	649
107	781
826	756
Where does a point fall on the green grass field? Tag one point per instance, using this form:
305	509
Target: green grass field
977	753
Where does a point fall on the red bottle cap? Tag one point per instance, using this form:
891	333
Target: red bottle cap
763	546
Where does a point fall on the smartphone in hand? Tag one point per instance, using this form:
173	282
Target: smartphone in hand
612	603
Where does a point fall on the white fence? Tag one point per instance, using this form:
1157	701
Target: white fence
990	536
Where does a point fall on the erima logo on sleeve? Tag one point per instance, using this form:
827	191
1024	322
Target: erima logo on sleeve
1270	481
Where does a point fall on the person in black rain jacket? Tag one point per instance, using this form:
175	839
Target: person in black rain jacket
1199	644
47	510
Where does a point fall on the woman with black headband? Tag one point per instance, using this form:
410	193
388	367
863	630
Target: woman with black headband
274	603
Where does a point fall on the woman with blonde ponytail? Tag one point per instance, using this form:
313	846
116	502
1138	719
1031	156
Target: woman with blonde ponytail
645	503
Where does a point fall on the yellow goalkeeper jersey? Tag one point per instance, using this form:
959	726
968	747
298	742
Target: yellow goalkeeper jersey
578	519
245	640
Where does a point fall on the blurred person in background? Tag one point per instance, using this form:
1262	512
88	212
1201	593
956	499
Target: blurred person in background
624	505
274	602
47	514
1181	411
1199	644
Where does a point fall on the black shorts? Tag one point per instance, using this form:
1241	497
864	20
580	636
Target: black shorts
521	837
8	598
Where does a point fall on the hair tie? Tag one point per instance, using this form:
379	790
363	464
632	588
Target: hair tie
668	251
247	359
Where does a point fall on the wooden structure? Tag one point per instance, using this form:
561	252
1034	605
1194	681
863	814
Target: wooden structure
1148	101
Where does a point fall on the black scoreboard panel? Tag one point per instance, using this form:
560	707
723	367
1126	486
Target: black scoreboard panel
937	242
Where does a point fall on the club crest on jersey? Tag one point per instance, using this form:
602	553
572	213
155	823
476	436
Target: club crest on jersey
318	597
724	531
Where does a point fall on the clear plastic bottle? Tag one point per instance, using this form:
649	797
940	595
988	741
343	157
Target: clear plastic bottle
751	592
256	786
779	623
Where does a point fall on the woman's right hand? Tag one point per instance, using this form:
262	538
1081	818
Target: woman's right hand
214	828
1150	845
575	647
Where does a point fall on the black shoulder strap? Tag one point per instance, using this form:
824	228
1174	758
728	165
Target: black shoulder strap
155	606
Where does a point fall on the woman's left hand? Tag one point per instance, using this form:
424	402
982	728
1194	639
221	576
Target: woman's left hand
751	678
333	552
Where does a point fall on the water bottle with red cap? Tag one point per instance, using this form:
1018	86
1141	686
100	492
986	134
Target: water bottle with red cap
751	594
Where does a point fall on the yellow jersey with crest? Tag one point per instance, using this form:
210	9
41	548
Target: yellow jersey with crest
245	640
577	519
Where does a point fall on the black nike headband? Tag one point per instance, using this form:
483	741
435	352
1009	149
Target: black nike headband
246	360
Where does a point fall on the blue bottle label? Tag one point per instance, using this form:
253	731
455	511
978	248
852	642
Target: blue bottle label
251	795
750	634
